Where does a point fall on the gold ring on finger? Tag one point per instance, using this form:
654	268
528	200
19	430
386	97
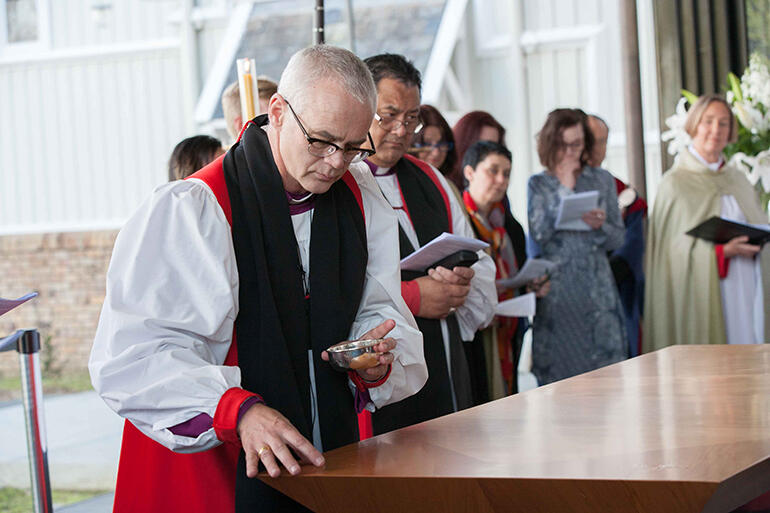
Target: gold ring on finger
262	450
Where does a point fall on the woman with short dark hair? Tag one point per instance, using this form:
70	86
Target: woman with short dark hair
487	171
579	325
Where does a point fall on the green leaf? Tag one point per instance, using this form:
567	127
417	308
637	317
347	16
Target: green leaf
691	97
735	85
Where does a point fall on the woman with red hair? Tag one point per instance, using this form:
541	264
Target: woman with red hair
477	125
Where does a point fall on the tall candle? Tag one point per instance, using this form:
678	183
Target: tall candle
248	97
248	86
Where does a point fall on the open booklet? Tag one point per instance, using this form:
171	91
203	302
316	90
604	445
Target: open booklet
440	247
6	305
720	230
533	268
572	208
522	306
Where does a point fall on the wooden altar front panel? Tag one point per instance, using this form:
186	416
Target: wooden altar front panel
684	429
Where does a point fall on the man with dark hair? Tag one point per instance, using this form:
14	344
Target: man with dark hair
450	304
225	289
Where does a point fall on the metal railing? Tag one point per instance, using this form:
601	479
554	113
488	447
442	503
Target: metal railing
27	344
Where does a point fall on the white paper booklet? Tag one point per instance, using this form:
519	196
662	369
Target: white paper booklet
6	305
572	208
522	306
440	247
533	268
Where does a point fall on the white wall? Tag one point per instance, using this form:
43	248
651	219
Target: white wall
526	58
75	24
88	124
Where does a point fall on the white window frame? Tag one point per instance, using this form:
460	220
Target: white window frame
27	48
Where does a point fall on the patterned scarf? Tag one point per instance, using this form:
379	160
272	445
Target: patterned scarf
494	233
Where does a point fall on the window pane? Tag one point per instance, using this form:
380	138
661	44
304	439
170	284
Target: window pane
22	20
757	18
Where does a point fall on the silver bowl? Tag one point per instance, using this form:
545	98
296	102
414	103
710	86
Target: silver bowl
349	355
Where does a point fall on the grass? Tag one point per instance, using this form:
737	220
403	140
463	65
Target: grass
15	500
53	383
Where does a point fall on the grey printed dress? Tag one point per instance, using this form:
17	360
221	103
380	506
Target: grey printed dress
579	325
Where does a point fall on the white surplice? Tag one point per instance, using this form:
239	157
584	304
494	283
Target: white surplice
741	289
172	300
480	304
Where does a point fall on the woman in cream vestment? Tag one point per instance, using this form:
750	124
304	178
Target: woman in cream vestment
690	299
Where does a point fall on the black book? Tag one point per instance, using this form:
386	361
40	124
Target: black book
720	231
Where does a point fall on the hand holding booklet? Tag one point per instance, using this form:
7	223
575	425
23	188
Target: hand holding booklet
439	248
572	208
532	269
522	306
720	231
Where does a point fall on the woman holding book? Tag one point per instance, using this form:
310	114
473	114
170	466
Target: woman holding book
699	292
580	325
494	352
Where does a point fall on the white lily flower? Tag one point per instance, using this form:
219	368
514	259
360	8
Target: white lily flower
676	135
744	163
761	170
741	112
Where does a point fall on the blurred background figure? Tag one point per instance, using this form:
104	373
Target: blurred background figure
435	143
699	292
231	104
191	154
494	353
626	262
580	325
475	126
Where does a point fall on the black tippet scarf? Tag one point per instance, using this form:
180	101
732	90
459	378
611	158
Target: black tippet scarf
276	323
429	217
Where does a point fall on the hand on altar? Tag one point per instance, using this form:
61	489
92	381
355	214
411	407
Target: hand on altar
266	436
443	291
384	349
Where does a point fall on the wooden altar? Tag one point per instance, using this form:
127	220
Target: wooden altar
684	429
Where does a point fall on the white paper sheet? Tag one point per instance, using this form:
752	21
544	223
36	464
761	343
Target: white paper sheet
572	208
522	306
440	247
533	268
6	305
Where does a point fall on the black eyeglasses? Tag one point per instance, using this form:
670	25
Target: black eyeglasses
440	146
323	149
412	124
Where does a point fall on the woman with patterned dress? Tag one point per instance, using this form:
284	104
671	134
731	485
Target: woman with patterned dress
579	326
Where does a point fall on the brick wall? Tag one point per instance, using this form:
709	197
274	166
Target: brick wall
68	271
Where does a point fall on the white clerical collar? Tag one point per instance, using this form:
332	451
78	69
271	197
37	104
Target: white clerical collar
713	166
295	199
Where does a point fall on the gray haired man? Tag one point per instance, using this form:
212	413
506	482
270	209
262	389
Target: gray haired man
225	289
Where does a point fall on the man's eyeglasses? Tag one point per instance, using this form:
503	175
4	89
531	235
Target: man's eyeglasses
442	146
412	124
320	148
